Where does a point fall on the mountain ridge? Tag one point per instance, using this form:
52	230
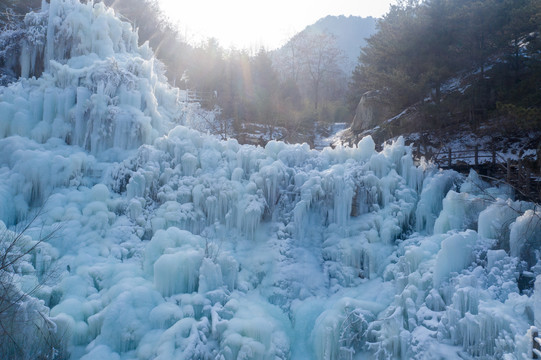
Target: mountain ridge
350	32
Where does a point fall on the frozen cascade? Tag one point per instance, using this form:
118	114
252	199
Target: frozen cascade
525	236
176	245
537	302
99	90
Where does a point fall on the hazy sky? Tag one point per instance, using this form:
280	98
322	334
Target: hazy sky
252	24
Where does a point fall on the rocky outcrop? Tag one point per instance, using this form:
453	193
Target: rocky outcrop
372	115
371	111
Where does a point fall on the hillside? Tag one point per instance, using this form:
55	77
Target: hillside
442	71
507	147
487	51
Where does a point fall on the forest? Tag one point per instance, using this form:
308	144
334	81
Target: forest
293	88
487	51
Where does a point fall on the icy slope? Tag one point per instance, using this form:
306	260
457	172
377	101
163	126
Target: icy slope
99	90
175	245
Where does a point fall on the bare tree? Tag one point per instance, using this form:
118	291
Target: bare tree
320	58
26	331
289	59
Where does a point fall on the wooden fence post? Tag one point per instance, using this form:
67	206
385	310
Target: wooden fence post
536	344
527	186
449	159
520	173
508	170
476	154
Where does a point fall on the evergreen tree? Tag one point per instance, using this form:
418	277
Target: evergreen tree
420	46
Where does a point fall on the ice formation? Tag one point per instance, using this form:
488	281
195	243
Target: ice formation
176	245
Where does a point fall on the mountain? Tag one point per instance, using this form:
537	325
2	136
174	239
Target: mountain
351	33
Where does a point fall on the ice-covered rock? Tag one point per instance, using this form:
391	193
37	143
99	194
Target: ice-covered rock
99	90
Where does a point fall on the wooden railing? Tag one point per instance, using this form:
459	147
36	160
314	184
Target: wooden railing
513	172
198	96
447	157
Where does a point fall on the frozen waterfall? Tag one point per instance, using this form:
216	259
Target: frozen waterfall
176	245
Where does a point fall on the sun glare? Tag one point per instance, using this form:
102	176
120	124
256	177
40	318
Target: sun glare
253	24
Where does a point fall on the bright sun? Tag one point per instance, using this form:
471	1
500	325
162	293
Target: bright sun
252	24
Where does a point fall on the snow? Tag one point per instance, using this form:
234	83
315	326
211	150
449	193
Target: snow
335	131
174	244
455	255
525	236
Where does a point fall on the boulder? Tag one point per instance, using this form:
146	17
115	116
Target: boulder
371	111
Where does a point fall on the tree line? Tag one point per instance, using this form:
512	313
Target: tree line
292	88
489	48
487	51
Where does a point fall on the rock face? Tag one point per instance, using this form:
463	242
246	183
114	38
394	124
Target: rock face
370	112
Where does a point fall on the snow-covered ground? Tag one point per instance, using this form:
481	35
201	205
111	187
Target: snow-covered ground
333	137
462	144
173	244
